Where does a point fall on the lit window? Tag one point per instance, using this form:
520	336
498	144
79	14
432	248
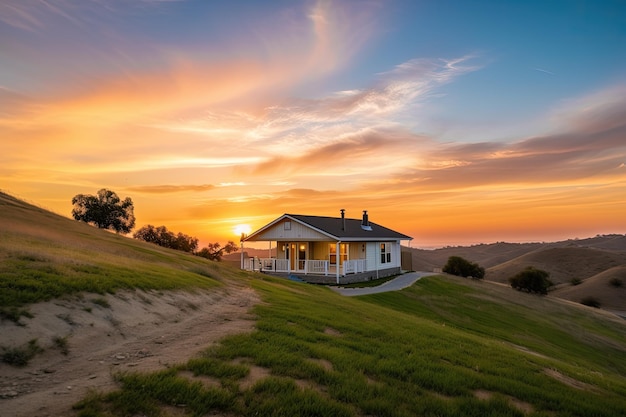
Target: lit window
385	253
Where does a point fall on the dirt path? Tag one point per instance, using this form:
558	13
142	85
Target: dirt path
137	331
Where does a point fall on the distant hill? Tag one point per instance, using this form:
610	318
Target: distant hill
593	262
487	255
608	287
564	263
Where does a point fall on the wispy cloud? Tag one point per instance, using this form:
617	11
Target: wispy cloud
544	71
169	189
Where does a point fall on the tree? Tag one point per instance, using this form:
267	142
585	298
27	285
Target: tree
168	239
463	268
531	280
215	251
105	210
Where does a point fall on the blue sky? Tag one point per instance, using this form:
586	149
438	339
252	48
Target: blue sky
451	121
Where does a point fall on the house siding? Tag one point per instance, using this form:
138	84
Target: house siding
371	252
297	231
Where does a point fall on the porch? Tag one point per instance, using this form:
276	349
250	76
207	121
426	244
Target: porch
304	266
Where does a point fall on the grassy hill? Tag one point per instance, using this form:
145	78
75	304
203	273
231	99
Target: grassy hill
608	288
44	256
569	263
444	347
564	264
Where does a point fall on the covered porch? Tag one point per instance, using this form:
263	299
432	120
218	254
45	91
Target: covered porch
310	258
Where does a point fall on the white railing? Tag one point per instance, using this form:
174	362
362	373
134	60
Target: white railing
270	264
316	267
309	266
354	266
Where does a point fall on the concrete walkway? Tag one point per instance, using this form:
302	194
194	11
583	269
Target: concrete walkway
402	281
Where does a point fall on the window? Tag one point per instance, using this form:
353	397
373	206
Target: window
343	255
287	225
385	253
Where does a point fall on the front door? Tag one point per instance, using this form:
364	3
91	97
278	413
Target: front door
292	258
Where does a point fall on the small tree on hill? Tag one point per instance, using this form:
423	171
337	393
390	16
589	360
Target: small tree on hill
463	268
166	238
531	280
105	210
215	251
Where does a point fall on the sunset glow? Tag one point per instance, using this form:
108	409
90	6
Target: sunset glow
451	123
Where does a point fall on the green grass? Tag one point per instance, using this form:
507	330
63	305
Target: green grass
428	350
44	256
367	284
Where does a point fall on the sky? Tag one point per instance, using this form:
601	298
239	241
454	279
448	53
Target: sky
454	122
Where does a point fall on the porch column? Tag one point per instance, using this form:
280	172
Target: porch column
337	260
377	258
241	255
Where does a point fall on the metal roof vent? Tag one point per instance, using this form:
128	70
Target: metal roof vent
365	224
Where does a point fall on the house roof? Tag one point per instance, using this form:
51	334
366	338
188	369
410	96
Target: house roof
333	228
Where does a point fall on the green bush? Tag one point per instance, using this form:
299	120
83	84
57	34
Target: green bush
575	281
463	268
531	280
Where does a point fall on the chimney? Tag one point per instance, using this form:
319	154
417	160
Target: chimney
365	224
343	219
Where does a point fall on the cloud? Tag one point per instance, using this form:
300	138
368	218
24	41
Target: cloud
584	152
360	152
169	189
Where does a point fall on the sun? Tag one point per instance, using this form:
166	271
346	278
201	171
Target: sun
242	229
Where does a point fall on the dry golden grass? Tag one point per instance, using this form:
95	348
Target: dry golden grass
601	287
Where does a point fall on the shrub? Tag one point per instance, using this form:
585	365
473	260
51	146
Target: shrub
14	315
61	344
616	282
463	268
19	356
102	302
575	281
531	280
590	301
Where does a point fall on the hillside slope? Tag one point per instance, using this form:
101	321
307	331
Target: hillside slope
446	346
608	288
564	264
570	261
96	303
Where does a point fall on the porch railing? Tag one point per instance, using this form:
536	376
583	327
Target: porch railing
354	266
309	266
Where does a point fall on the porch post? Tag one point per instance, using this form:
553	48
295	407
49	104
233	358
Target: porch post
377	258
241	255
337	260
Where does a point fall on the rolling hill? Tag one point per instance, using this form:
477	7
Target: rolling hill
568	262
121	327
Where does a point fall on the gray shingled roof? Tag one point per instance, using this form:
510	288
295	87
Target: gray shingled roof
353	229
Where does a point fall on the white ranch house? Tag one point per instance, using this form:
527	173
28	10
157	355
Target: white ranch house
327	249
